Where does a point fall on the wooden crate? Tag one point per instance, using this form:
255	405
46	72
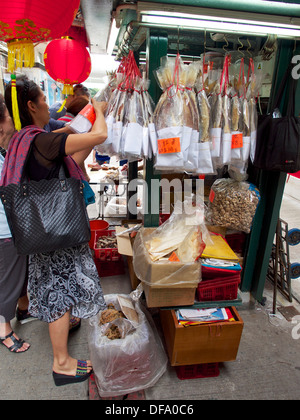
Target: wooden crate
210	343
159	297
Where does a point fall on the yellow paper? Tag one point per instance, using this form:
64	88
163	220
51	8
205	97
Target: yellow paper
219	249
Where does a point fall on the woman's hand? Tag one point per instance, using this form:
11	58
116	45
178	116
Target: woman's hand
99	106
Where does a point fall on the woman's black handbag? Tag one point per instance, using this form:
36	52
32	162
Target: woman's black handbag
278	139
46	215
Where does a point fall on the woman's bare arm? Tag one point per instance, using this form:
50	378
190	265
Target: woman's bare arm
98	134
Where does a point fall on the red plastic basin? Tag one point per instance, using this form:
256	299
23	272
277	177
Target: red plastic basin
96	225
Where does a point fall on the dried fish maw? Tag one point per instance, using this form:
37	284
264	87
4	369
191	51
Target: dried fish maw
191	248
235	113
246	117
187	115
225	111
204	116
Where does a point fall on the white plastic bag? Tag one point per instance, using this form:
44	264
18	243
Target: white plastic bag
129	364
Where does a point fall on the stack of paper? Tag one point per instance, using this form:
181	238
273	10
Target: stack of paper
199	316
225	264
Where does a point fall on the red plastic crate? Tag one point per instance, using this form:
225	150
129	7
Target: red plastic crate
210	290
106	254
110	268
203	370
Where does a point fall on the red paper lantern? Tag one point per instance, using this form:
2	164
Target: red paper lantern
67	61
23	22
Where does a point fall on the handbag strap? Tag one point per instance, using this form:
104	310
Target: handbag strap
287	80
61	175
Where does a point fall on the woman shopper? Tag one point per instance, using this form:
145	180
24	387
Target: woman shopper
66	281
13	267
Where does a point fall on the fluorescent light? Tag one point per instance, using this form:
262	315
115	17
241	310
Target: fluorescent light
221	24
114	31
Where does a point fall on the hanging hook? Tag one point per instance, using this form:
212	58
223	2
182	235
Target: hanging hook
249	46
241	46
225	46
177	39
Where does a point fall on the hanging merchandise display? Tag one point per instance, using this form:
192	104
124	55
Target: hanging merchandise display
129	115
218	128
67	61
176	118
32	21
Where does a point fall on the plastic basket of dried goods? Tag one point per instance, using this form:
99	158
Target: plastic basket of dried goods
110	268
203	370
105	246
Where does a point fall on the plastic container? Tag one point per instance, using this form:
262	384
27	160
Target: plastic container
96	225
84	121
109	268
106	254
203	370
211	290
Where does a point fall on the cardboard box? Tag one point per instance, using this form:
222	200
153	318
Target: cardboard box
162	273
206	343
125	248
159	297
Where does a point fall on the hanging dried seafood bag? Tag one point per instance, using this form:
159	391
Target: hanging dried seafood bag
168	117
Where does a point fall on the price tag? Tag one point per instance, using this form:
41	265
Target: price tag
237	140
211	196
173	257
170	145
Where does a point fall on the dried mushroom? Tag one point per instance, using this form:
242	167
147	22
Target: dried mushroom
233	204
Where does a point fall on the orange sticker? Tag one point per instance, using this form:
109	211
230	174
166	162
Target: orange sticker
211	196
173	257
171	145
89	113
237	140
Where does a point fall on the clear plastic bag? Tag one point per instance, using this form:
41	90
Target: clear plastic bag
153	248
233	204
131	363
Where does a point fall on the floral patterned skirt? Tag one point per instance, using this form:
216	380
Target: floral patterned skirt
64	280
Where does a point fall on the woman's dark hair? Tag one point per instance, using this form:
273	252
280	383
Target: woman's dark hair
27	90
77	104
2	108
80	90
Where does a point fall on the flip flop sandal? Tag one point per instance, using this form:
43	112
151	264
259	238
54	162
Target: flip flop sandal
17	343
81	375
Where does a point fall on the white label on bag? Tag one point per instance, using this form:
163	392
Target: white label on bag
205	165
226	148
246	148
215	135
117	132
133	139
252	145
153	137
